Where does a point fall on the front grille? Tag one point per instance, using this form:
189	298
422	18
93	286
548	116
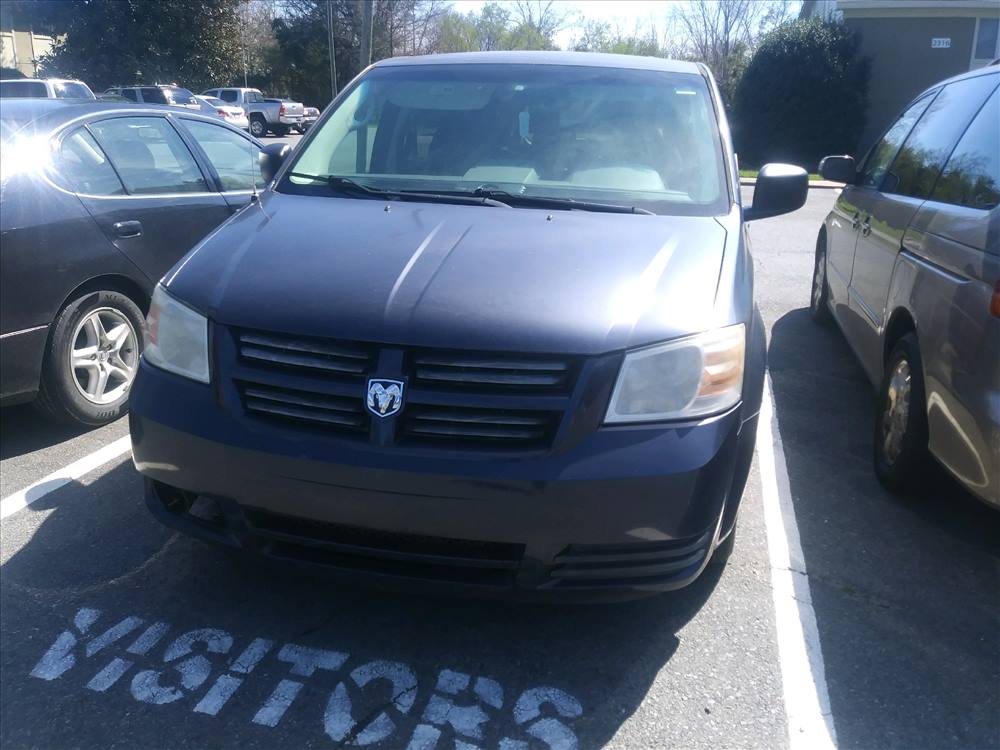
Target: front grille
303	407
486	371
634	564
332	358
453	399
389	553
481	426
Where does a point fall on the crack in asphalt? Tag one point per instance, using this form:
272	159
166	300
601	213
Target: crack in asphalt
97	587
365	720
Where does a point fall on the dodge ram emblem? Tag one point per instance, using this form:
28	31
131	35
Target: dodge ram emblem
385	397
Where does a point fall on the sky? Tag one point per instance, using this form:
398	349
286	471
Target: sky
624	14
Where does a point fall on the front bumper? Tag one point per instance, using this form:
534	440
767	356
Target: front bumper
628	509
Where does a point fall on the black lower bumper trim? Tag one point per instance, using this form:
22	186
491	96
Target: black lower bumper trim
401	557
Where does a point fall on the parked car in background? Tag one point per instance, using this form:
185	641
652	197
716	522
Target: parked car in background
174	96
524	355
235	116
908	265
276	117
44	88
309	114
99	200
309	117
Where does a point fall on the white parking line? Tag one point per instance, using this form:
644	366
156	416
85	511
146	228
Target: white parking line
803	675
22	499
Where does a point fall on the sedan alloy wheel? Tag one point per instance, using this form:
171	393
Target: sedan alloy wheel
104	355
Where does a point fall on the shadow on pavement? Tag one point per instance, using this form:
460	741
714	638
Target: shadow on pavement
100	548
24	430
906	589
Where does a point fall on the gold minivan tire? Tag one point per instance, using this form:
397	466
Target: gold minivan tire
819	290
900	437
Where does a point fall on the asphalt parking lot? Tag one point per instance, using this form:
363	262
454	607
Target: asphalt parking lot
119	633
291	139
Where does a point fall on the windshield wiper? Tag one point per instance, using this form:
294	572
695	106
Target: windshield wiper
348	186
541	201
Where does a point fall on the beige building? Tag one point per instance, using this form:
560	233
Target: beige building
913	44
23	49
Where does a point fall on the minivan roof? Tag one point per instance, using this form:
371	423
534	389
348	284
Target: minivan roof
990	69
581	59
43	80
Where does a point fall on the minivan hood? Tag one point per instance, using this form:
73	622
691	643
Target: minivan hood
456	276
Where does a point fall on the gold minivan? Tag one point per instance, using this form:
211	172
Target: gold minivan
907	264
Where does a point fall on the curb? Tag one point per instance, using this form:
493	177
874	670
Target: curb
813	184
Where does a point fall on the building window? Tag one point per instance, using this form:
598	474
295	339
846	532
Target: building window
986	48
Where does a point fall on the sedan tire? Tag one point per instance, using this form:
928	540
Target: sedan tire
91	359
900	452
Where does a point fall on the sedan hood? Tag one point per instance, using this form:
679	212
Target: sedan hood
456	276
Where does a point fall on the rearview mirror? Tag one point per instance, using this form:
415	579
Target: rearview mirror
271	158
838	169
780	188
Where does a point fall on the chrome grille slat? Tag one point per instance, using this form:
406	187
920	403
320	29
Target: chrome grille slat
288	397
495	419
489	377
301	360
489	364
301	345
484	371
455	431
317	409
295	412
478	426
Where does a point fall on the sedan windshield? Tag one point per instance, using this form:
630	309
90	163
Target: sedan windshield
641	138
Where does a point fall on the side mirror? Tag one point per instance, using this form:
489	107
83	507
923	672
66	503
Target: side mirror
780	188
271	158
838	169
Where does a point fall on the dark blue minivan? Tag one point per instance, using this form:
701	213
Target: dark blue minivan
491	327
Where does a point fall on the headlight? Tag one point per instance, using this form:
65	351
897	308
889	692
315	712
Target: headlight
178	337
683	379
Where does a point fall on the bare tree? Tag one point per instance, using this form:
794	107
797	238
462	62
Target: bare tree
542	16
257	39
409	26
723	33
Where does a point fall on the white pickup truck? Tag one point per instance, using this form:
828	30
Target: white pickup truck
264	116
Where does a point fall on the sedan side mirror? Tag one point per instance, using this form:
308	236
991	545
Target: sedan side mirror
271	158
838	169
780	188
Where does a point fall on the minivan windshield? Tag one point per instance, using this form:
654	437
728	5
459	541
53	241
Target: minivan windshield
641	138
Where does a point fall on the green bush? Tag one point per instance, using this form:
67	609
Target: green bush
803	96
